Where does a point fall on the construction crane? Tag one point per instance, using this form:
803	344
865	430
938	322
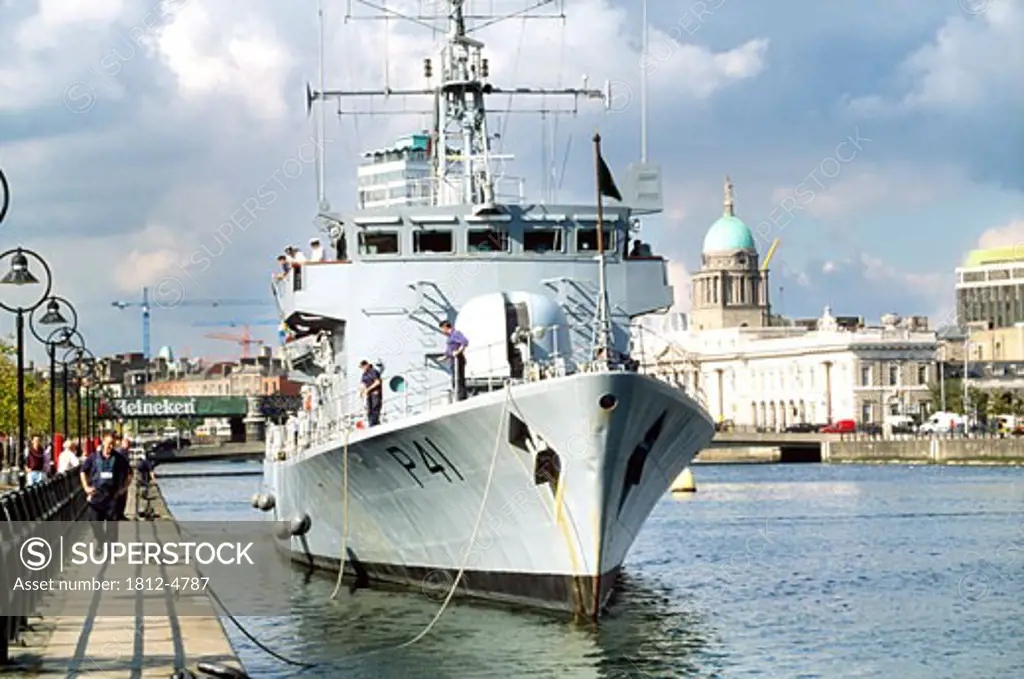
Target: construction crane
146	309
771	253
245	340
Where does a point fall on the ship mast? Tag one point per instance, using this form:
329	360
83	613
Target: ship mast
460	149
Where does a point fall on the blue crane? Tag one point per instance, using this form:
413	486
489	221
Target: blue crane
146	309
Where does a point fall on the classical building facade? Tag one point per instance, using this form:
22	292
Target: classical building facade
730	289
773	377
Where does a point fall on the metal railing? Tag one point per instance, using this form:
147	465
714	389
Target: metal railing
341	408
59	498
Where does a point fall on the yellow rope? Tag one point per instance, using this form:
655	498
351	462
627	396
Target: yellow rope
476	527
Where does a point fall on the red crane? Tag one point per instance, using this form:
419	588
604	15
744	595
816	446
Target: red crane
244	339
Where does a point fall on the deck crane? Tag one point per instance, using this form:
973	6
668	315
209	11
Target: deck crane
146	308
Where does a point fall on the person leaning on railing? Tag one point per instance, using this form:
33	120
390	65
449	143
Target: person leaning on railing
455	351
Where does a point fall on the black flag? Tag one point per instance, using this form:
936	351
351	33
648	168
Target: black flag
605	181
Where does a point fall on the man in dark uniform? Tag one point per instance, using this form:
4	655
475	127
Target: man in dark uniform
455	351
121	447
105	478
373	390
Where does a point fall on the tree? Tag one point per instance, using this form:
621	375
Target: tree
37	398
954	395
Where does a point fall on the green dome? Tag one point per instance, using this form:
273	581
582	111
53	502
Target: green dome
728	233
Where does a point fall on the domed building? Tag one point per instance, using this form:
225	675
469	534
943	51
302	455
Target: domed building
730	290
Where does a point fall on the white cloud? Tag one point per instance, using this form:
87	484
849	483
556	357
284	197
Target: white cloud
244	59
862	187
970	63
1011	234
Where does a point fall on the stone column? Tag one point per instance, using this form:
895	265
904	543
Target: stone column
255	422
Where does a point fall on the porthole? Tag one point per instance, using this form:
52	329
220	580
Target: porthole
608	402
397	384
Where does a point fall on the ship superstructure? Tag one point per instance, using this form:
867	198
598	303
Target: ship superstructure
533	488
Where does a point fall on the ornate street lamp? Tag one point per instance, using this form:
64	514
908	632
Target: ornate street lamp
20	275
59	336
74	342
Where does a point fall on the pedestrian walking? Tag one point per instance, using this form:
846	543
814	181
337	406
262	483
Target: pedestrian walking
122	449
455	351
372	389
68	459
106	476
35	462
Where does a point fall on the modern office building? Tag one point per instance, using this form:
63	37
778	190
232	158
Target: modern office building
990	288
396	176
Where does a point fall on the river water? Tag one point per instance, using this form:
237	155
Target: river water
767	571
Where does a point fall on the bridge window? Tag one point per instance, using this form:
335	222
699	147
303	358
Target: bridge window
542	240
486	240
378	242
433	241
586	240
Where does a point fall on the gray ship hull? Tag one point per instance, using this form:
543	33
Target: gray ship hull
580	463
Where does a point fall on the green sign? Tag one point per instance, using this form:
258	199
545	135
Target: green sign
173	407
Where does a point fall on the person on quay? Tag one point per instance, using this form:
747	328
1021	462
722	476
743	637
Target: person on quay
68	459
373	389
35	462
106	476
455	351
122	448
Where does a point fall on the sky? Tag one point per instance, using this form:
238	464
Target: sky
879	141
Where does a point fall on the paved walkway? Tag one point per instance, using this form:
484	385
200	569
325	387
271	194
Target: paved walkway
153	642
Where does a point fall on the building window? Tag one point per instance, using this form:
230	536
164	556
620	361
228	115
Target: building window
378	242
865	413
586	240
894	374
542	240
486	240
922	374
433	241
865	375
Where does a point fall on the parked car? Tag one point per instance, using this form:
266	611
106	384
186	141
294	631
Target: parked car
803	428
840	427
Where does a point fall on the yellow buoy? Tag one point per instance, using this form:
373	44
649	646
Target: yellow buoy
685	483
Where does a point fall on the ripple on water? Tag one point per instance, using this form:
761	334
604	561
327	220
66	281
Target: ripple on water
766	571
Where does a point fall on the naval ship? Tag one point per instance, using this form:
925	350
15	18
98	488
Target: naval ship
532	489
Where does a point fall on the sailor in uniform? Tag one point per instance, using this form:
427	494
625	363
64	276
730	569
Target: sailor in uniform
372	389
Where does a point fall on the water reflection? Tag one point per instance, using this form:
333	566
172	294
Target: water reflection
787	571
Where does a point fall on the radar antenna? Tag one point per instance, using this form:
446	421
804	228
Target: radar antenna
460	146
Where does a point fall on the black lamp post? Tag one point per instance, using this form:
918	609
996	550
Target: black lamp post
85	368
60	336
74	343
19	275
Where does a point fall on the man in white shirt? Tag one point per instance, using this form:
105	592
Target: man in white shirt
297	255
316	252
68	458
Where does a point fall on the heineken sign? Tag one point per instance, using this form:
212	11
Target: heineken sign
173	407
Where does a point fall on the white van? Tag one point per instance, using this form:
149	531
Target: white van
942	423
